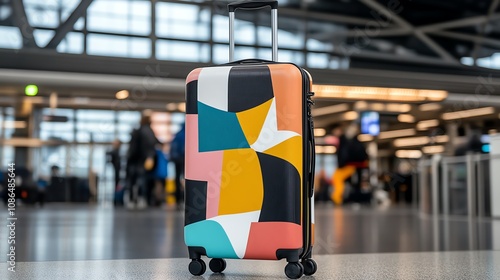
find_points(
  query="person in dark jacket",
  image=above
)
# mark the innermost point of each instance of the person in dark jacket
(177, 153)
(351, 154)
(114, 159)
(140, 160)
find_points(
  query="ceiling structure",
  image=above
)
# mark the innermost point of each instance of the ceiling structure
(448, 45)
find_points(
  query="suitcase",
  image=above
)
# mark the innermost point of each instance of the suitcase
(249, 161)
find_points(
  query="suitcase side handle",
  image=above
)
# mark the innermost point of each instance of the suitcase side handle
(252, 5)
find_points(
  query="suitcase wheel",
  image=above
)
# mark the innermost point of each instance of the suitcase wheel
(197, 267)
(310, 266)
(217, 265)
(294, 270)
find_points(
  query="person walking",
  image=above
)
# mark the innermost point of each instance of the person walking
(177, 153)
(141, 161)
(351, 154)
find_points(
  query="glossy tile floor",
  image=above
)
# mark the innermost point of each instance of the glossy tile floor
(60, 232)
(483, 265)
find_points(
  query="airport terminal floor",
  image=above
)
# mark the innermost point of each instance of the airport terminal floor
(352, 242)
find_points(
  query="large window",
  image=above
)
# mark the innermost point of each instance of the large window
(182, 21)
(191, 31)
(120, 16)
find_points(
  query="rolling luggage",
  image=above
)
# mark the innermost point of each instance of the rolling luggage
(249, 161)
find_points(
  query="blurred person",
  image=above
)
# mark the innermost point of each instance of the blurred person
(351, 155)
(115, 160)
(322, 186)
(54, 171)
(160, 176)
(474, 144)
(141, 161)
(177, 153)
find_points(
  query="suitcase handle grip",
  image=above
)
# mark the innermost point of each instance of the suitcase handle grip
(252, 5)
(247, 5)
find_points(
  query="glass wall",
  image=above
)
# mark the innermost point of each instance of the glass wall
(79, 145)
(191, 31)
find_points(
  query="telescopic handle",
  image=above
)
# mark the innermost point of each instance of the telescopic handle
(252, 5)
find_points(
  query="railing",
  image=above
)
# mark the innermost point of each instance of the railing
(456, 185)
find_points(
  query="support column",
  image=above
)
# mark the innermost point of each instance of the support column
(23, 109)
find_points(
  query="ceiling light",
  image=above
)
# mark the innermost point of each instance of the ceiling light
(441, 139)
(397, 133)
(181, 107)
(329, 149)
(14, 124)
(325, 149)
(430, 107)
(399, 108)
(330, 110)
(171, 106)
(433, 149)
(319, 132)
(408, 154)
(53, 100)
(424, 125)
(361, 105)
(318, 149)
(350, 116)
(406, 118)
(365, 138)
(468, 113)
(412, 141)
(122, 94)
(420, 140)
(378, 93)
(377, 107)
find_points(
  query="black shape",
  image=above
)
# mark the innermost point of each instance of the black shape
(248, 87)
(195, 252)
(281, 190)
(197, 267)
(196, 201)
(291, 255)
(310, 266)
(192, 97)
(217, 265)
(294, 270)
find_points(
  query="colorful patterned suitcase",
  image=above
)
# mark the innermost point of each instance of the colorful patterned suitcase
(249, 161)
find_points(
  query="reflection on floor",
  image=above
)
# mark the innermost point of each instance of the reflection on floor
(82, 232)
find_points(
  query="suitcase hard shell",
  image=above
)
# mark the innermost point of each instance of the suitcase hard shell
(249, 165)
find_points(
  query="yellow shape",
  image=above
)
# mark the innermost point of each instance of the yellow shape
(242, 187)
(289, 150)
(252, 120)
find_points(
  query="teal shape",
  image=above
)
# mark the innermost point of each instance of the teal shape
(219, 130)
(211, 236)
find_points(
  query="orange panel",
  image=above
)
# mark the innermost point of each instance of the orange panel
(267, 237)
(287, 87)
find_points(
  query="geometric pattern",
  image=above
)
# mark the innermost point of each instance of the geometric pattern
(244, 160)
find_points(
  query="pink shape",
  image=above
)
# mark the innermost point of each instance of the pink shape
(193, 75)
(206, 166)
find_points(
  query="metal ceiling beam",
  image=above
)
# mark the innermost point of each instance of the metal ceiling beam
(21, 22)
(458, 23)
(335, 18)
(67, 26)
(477, 43)
(418, 33)
(466, 37)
